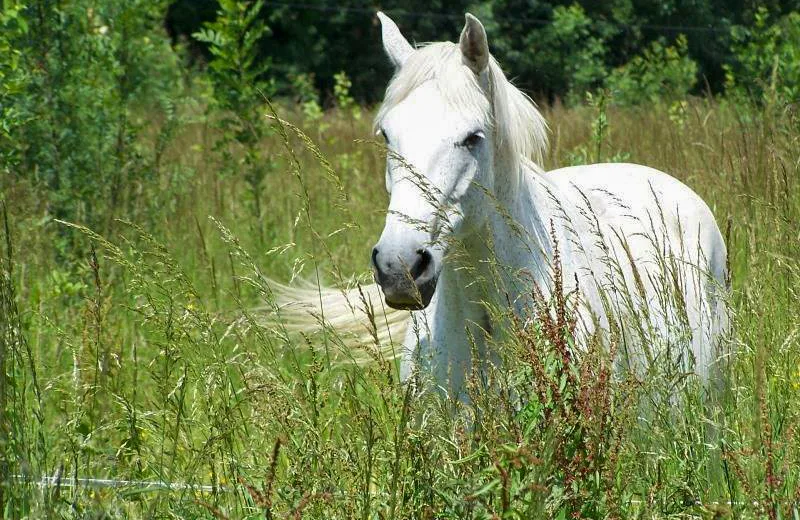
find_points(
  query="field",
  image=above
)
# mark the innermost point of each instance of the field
(137, 351)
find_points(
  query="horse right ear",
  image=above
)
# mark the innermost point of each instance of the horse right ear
(473, 44)
(394, 43)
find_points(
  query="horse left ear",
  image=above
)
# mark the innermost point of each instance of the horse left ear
(474, 45)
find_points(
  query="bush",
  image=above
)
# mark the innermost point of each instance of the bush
(573, 47)
(661, 73)
(767, 58)
(237, 74)
(86, 67)
(13, 82)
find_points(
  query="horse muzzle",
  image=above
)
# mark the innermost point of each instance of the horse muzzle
(408, 280)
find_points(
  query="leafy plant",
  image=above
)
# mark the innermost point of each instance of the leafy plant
(767, 58)
(661, 73)
(307, 97)
(74, 134)
(341, 91)
(573, 46)
(237, 74)
(594, 151)
(13, 81)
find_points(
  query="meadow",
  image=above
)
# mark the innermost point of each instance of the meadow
(136, 350)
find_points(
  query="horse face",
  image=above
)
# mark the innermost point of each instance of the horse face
(438, 171)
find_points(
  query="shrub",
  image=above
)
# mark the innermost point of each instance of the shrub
(306, 96)
(572, 45)
(341, 91)
(767, 58)
(238, 76)
(86, 66)
(661, 73)
(13, 81)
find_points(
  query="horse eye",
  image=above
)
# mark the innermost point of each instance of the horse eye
(472, 140)
(385, 137)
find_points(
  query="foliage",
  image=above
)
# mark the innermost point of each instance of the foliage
(523, 37)
(307, 96)
(767, 58)
(238, 76)
(572, 45)
(661, 73)
(568, 44)
(86, 67)
(238, 72)
(13, 81)
(566, 55)
(532, 39)
(596, 149)
(341, 91)
(325, 38)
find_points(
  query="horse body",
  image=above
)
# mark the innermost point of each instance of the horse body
(607, 220)
(662, 259)
(474, 224)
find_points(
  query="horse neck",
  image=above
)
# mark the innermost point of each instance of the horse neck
(484, 269)
(524, 222)
(513, 248)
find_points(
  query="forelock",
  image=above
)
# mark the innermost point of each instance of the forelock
(520, 130)
(440, 63)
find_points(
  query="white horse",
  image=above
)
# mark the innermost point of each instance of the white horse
(473, 222)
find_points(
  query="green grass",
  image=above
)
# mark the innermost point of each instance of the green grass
(137, 355)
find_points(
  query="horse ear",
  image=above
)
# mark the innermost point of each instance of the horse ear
(474, 45)
(394, 43)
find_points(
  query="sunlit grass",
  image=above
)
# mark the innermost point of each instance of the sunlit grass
(141, 358)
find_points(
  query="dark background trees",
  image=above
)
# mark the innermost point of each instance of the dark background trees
(82, 82)
(549, 47)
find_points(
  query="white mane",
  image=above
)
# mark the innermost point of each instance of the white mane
(520, 130)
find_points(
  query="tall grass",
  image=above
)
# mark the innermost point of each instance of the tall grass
(143, 360)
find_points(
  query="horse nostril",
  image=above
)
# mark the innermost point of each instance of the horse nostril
(422, 263)
(375, 259)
